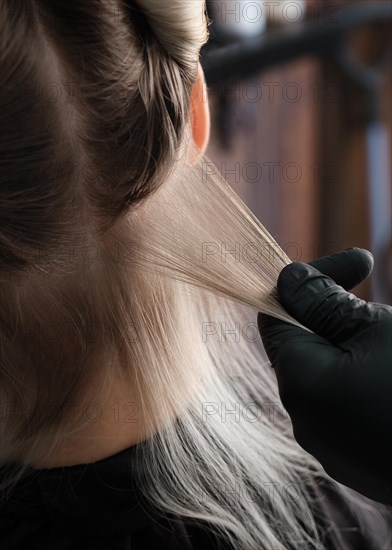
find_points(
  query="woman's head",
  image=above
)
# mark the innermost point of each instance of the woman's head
(95, 105)
(99, 99)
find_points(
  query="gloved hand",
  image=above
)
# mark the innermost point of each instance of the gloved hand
(336, 384)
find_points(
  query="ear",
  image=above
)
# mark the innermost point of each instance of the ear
(200, 115)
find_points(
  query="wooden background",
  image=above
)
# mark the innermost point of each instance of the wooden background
(292, 144)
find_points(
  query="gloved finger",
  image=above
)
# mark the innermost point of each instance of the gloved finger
(319, 304)
(348, 268)
(282, 340)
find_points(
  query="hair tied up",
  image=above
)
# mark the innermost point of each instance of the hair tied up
(176, 24)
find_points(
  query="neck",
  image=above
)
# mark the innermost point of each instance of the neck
(111, 425)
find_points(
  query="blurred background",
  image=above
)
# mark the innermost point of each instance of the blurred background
(301, 104)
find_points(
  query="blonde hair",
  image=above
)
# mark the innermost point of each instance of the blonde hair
(121, 260)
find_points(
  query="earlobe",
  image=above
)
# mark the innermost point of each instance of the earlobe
(200, 115)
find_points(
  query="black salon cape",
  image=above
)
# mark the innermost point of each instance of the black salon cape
(99, 506)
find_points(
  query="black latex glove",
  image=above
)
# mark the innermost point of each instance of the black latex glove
(336, 384)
